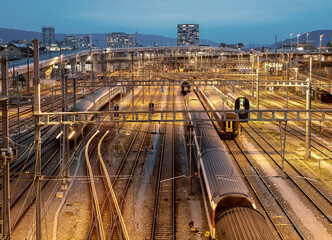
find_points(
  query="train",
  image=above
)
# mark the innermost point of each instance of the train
(240, 103)
(93, 101)
(185, 87)
(323, 96)
(227, 129)
(230, 210)
(236, 103)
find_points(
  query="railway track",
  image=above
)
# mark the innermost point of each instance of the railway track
(319, 201)
(256, 180)
(164, 226)
(128, 165)
(322, 130)
(106, 200)
(126, 168)
(316, 142)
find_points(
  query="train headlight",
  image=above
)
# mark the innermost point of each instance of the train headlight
(71, 134)
(59, 135)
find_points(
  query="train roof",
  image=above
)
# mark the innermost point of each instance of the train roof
(218, 168)
(86, 103)
(215, 100)
(221, 177)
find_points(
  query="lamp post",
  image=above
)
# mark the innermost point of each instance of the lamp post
(28, 70)
(290, 64)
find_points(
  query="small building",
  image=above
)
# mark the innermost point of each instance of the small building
(15, 51)
(119, 40)
(188, 35)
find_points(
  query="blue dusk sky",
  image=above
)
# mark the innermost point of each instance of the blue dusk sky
(230, 21)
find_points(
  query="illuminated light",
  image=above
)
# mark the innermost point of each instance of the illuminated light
(71, 134)
(59, 135)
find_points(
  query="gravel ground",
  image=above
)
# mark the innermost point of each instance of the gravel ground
(313, 226)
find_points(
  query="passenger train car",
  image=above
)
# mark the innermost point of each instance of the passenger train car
(93, 101)
(230, 210)
(227, 129)
(185, 88)
(236, 103)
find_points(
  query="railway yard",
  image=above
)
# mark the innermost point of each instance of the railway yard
(172, 144)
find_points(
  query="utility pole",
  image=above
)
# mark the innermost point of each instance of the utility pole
(28, 72)
(320, 59)
(6, 230)
(132, 81)
(252, 60)
(18, 109)
(289, 66)
(257, 88)
(143, 73)
(308, 122)
(75, 90)
(36, 113)
(275, 54)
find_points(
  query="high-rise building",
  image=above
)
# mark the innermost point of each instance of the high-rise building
(119, 40)
(188, 34)
(48, 36)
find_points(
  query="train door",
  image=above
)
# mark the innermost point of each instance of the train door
(229, 126)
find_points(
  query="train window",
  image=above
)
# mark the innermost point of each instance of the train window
(242, 103)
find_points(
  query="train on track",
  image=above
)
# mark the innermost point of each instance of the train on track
(211, 101)
(93, 101)
(236, 103)
(230, 209)
(185, 87)
(323, 96)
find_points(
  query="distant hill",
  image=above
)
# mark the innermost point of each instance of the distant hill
(7, 34)
(98, 39)
(150, 40)
(313, 38)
